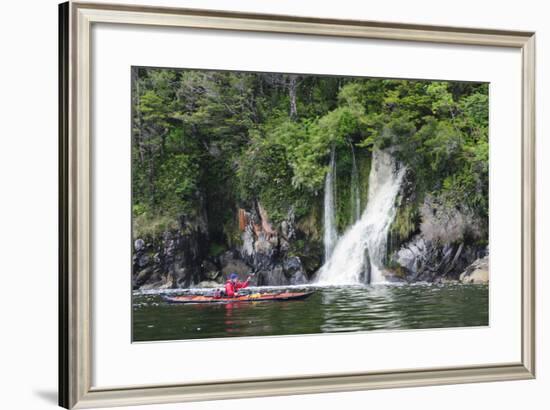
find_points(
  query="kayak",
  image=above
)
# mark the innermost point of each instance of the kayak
(254, 297)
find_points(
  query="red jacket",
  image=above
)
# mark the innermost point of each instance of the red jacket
(232, 288)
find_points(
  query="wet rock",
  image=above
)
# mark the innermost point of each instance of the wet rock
(265, 249)
(231, 264)
(272, 277)
(260, 249)
(172, 259)
(142, 277)
(144, 264)
(208, 284)
(209, 266)
(298, 279)
(424, 260)
(210, 271)
(139, 245)
(288, 232)
(179, 258)
(294, 271)
(445, 240)
(365, 275)
(477, 272)
(153, 285)
(393, 277)
(143, 260)
(292, 265)
(248, 249)
(446, 225)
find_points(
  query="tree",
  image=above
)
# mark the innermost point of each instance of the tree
(221, 140)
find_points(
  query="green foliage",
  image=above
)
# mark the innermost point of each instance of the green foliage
(150, 225)
(206, 143)
(406, 222)
(216, 249)
(265, 174)
(440, 130)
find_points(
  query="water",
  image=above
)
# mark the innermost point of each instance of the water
(330, 234)
(365, 241)
(355, 197)
(329, 310)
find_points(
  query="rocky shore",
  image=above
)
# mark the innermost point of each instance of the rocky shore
(438, 245)
(179, 259)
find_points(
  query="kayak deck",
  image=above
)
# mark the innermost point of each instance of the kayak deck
(255, 297)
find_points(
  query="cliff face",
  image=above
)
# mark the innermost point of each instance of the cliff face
(421, 259)
(434, 242)
(428, 241)
(172, 259)
(267, 250)
(270, 253)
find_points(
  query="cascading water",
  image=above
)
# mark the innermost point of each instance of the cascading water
(330, 234)
(368, 236)
(355, 199)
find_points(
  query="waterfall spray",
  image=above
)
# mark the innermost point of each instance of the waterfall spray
(330, 234)
(355, 209)
(363, 246)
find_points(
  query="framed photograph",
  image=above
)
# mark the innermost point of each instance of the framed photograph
(241, 194)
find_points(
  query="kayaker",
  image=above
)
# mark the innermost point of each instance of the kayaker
(233, 285)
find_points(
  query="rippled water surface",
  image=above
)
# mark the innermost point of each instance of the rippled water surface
(328, 310)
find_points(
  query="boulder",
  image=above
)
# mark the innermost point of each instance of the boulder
(139, 244)
(294, 271)
(230, 263)
(421, 259)
(443, 224)
(210, 271)
(444, 242)
(292, 265)
(477, 272)
(298, 279)
(142, 277)
(272, 277)
(143, 260)
(145, 266)
(208, 284)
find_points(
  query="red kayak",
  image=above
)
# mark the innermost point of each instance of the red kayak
(253, 297)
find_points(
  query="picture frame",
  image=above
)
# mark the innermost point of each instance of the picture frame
(75, 205)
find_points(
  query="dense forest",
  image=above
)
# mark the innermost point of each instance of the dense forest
(229, 171)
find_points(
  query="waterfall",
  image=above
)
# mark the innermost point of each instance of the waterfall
(362, 248)
(330, 234)
(355, 209)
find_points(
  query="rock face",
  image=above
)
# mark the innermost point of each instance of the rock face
(172, 260)
(208, 284)
(180, 259)
(445, 244)
(440, 245)
(424, 260)
(231, 262)
(265, 249)
(477, 272)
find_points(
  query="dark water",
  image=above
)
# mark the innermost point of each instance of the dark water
(329, 310)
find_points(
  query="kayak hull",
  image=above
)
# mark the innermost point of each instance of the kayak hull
(265, 297)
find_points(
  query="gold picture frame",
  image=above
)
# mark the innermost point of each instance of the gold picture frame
(76, 20)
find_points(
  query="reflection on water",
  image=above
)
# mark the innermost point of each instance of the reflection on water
(329, 310)
(345, 309)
